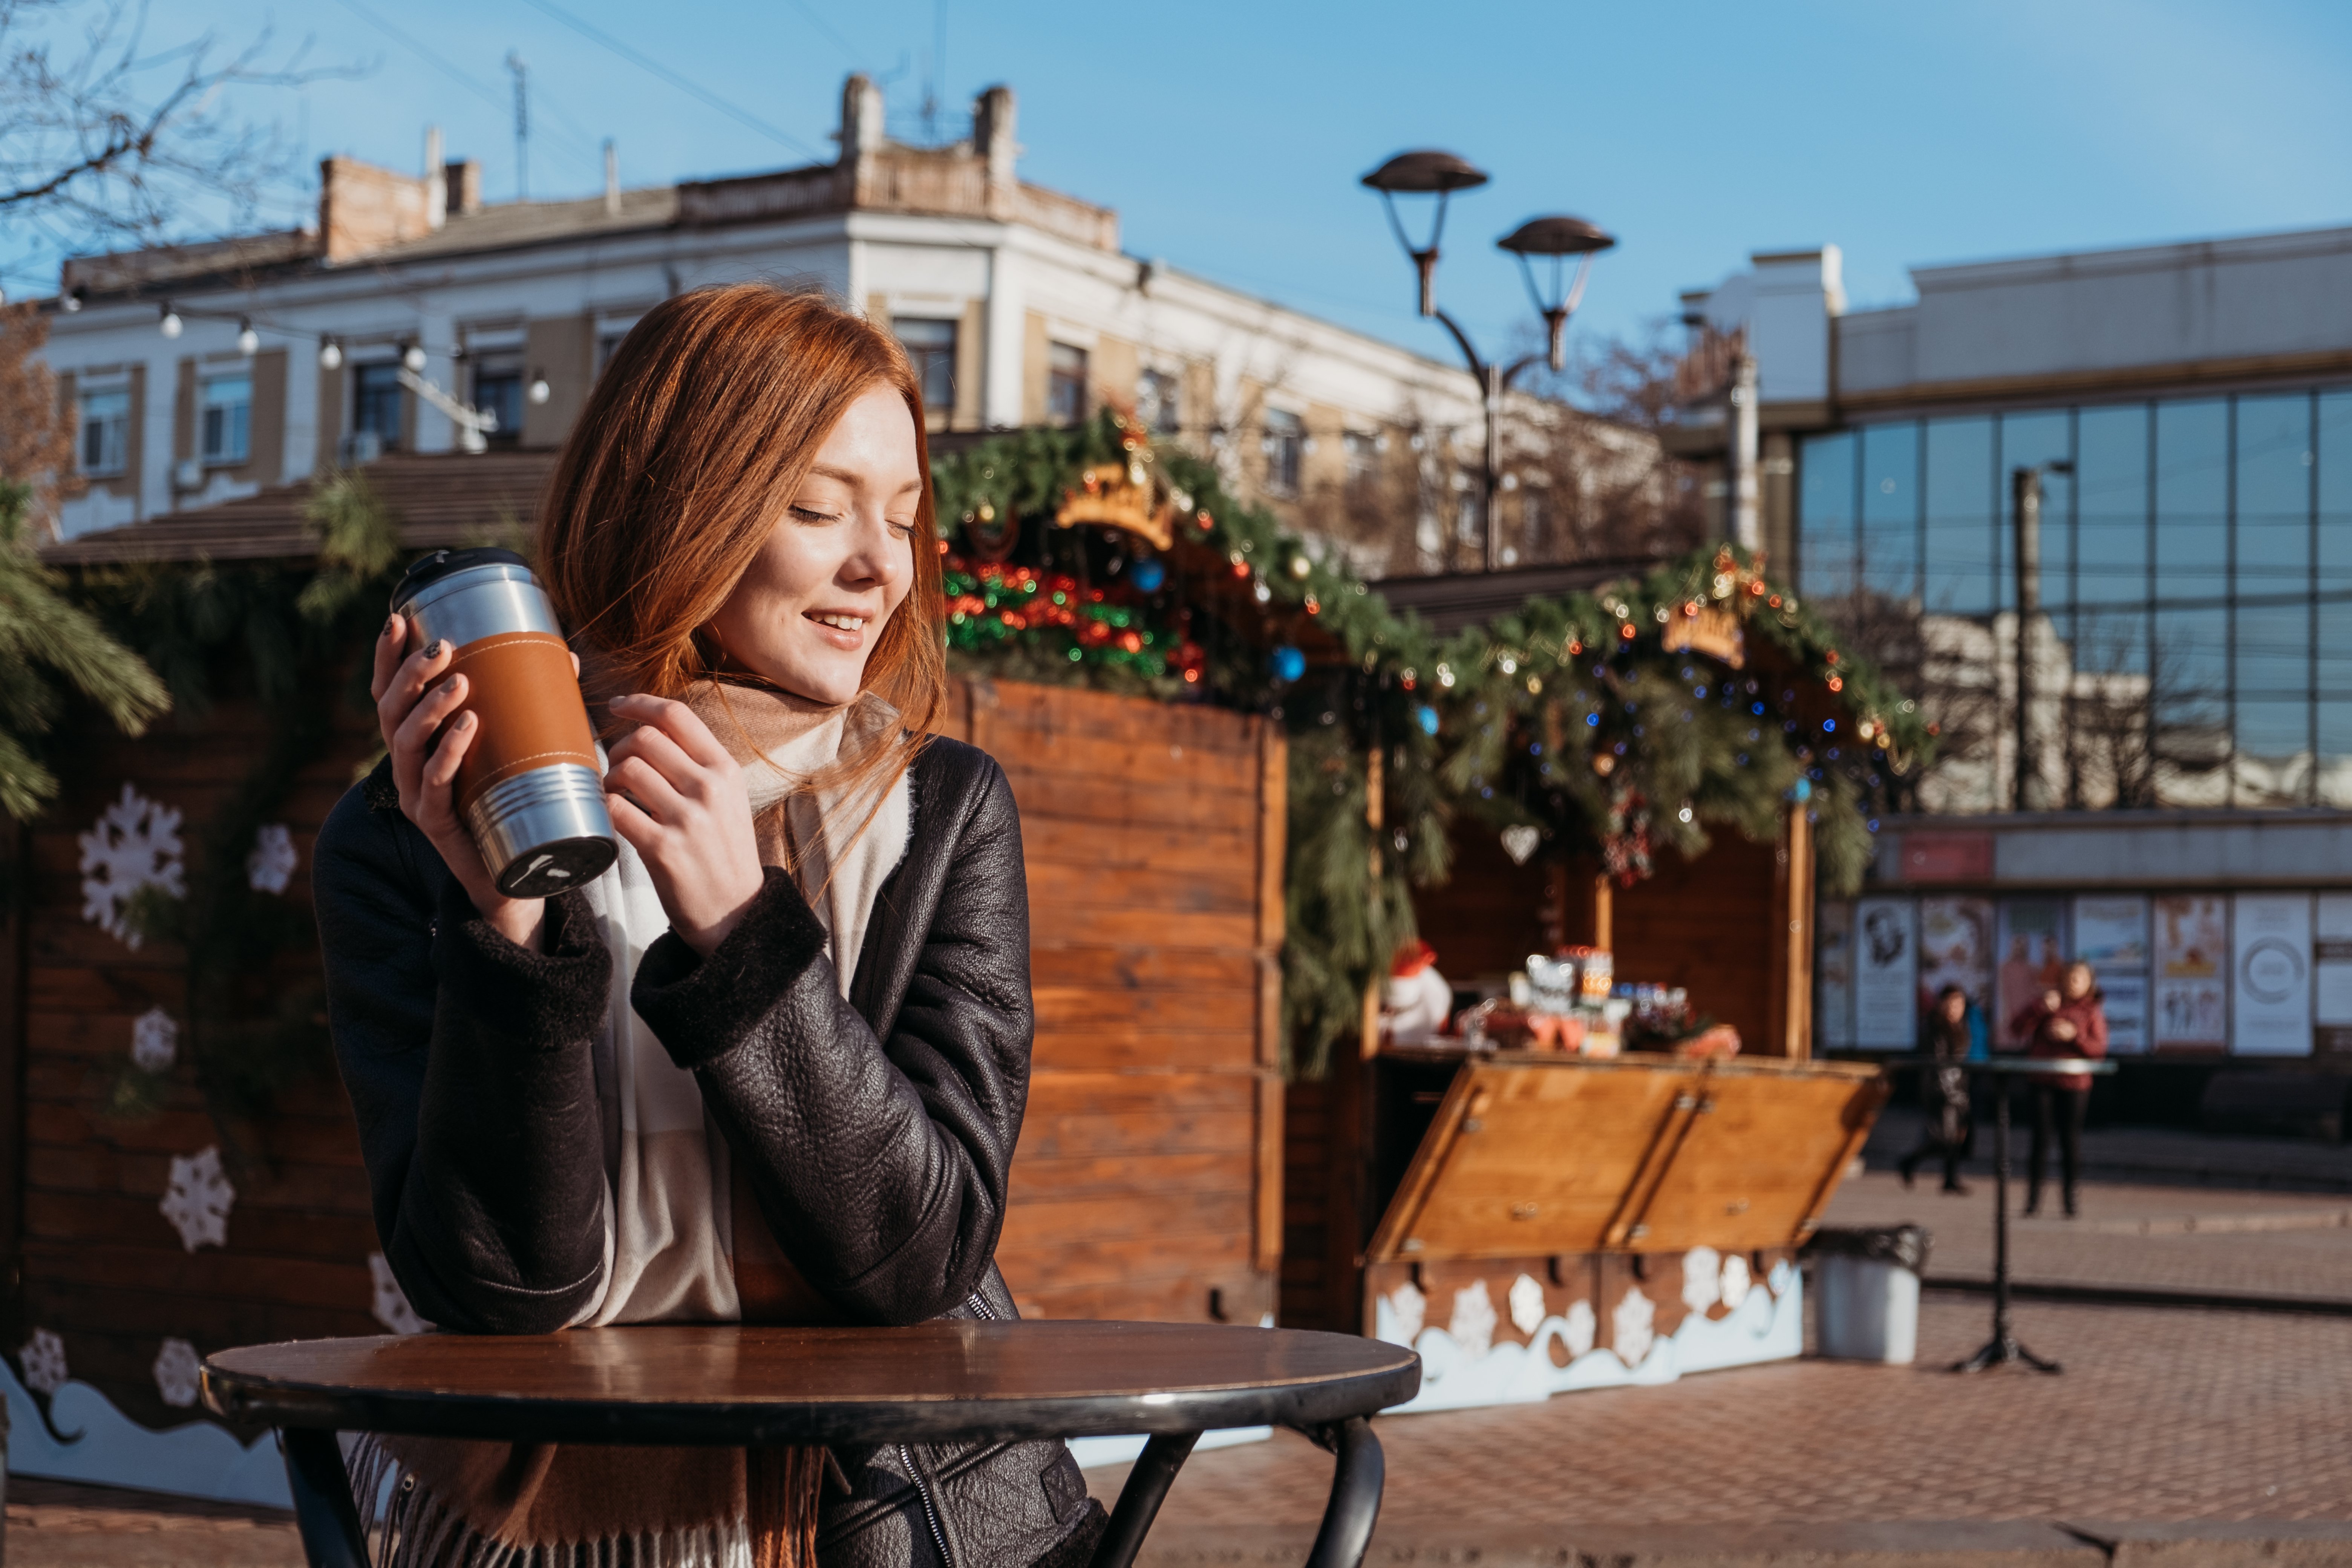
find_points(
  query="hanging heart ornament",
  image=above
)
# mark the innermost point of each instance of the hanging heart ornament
(1520, 841)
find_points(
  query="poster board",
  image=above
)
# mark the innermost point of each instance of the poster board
(2111, 935)
(2331, 963)
(1833, 974)
(1956, 936)
(1886, 974)
(2190, 1003)
(2270, 1014)
(2032, 952)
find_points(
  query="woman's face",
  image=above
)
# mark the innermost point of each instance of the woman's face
(2079, 980)
(836, 565)
(1956, 1007)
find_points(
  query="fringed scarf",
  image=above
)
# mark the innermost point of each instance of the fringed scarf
(682, 1241)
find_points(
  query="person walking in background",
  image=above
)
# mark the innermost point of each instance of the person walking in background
(1945, 1042)
(2068, 1020)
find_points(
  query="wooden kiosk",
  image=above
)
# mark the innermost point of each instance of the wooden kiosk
(1533, 1221)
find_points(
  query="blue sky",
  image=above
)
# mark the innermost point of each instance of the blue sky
(1230, 136)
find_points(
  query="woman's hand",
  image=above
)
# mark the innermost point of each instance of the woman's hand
(677, 797)
(2060, 1028)
(409, 709)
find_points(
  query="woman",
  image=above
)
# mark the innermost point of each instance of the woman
(1946, 1045)
(2068, 1020)
(772, 1066)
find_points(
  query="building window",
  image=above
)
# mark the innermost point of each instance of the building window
(2196, 585)
(930, 348)
(1065, 384)
(1363, 453)
(1286, 438)
(376, 403)
(105, 432)
(226, 419)
(497, 391)
(1157, 403)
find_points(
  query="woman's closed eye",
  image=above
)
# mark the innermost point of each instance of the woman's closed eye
(813, 517)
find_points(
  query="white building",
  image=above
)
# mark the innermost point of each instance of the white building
(1015, 300)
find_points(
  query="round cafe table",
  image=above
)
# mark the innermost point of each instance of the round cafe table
(2003, 1346)
(737, 1386)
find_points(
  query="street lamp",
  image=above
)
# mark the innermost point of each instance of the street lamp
(1429, 173)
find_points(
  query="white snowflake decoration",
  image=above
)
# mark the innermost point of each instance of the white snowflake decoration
(1737, 1280)
(175, 1373)
(154, 1041)
(271, 864)
(1412, 1310)
(1630, 1330)
(198, 1199)
(391, 1304)
(1581, 1324)
(135, 845)
(1473, 1326)
(43, 1361)
(1702, 1284)
(1526, 1305)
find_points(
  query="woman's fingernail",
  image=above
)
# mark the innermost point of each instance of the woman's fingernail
(392, 627)
(433, 648)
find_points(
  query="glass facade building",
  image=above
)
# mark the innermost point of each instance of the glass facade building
(2196, 574)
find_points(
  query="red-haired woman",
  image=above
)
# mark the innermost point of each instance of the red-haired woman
(772, 1066)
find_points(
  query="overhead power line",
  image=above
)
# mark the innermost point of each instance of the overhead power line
(684, 84)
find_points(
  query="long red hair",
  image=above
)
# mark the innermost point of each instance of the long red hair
(695, 438)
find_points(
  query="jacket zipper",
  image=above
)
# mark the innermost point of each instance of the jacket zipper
(930, 1513)
(915, 1471)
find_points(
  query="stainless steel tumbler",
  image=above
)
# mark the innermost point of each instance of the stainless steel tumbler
(528, 790)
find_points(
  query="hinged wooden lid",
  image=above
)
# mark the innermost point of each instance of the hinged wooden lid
(1533, 1154)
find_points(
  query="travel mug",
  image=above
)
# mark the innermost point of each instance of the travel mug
(528, 790)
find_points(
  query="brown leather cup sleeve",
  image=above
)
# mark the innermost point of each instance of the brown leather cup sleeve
(529, 703)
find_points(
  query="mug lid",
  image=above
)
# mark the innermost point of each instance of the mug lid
(429, 569)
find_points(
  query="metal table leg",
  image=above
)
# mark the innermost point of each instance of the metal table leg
(323, 1510)
(2003, 1345)
(1140, 1499)
(1355, 1505)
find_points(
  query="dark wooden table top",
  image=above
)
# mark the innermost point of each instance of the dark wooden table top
(743, 1384)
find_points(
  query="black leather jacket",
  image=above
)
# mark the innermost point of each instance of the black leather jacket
(879, 1132)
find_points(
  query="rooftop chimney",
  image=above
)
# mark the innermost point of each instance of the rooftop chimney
(993, 116)
(612, 179)
(437, 181)
(861, 117)
(364, 209)
(464, 178)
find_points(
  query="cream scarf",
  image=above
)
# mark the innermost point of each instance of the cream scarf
(670, 1242)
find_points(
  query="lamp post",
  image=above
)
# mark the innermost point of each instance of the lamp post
(1555, 239)
(2025, 506)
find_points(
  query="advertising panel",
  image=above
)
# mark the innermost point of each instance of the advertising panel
(2271, 975)
(2111, 934)
(2331, 961)
(1955, 949)
(1833, 974)
(2190, 1005)
(1885, 975)
(2032, 953)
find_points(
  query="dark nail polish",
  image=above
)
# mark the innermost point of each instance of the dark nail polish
(432, 650)
(392, 627)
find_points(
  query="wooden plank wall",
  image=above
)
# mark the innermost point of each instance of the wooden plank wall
(1148, 1181)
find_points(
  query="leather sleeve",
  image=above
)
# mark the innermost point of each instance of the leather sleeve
(880, 1164)
(469, 1063)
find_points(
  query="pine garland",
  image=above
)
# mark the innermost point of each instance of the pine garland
(1571, 716)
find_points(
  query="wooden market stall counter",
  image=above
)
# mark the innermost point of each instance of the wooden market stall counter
(1550, 1221)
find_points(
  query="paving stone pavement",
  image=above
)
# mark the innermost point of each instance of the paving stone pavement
(2161, 1414)
(2191, 1239)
